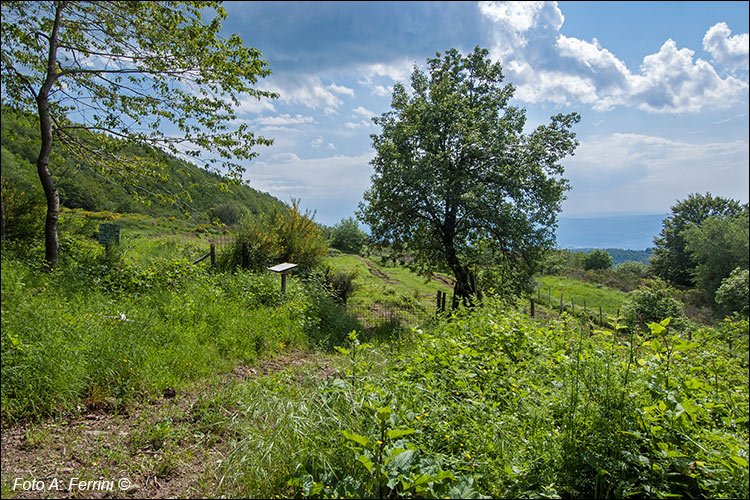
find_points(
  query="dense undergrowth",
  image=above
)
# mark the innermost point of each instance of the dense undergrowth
(101, 329)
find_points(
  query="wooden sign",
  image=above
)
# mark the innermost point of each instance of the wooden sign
(109, 233)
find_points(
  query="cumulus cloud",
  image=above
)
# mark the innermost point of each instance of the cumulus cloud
(546, 65)
(730, 50)
(309, 91)
(285, 119)
(608, 172)
(360, 110)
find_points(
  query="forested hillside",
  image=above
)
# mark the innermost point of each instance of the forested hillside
(198, 191)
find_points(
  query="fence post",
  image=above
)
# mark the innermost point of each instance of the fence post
(601, 323)
(532, 307)
(561, 303)
(212, 252)
(572, 307)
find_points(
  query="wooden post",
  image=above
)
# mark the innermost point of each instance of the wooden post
(601, 323)
(532, 307)
(283, 283)
(561, 303)
(572, 307)
(212, 252)
(585, 313)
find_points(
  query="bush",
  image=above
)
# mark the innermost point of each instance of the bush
(652, 304)
(287, 236)
(228, 213)
(733, 294)
(597, 259)
(347, 237)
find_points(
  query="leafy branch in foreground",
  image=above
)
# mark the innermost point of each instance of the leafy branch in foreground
(128, 73)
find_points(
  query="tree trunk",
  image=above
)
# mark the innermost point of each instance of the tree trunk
(51, 247)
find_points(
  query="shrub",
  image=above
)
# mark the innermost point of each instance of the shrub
(597, 259)
(228, 213)
(733, 294)
(347, 236)
(652, 304)
(284, 236)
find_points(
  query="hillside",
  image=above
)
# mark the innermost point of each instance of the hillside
(83, 188)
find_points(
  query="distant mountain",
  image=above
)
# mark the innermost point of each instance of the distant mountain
(631, 232)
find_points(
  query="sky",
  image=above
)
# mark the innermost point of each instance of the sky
(661, 87)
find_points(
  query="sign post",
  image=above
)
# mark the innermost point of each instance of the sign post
(283, 269)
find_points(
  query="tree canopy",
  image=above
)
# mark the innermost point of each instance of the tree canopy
(102, 77)
(455, 177)
(597, 259)
(671, 260)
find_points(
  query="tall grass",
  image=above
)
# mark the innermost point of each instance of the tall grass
(102, 330)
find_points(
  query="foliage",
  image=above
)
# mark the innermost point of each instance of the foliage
(23, 207)
(83, 188)
(633, 268)
(716, 247)
(347, 237)
(228, 213)
(671, 260)
(282, 236)
(455, 176)
(597, 259)
(734, 295)
(146, 67)
(651, 303)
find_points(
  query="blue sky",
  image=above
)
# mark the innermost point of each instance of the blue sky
(662, 89)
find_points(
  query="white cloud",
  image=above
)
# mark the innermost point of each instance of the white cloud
(382, 90)
(253, 105)
(285, 119)
(341, 90)
(360, 110)
(308, 91)
(547, 66)
(316, 142)
(333, 185)
(731, 51)
(609, 172)
(356, 125)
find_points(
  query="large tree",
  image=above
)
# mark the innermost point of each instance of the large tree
(456, 179)
(671, 260)
(106, 78)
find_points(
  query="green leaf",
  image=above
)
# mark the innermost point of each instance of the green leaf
(384, 413)
(397, 433)
(360, 440)
(367, 462)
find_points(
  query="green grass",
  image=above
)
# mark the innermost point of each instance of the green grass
(389, 286)
(609, 299)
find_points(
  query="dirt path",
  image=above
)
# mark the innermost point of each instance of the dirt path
(155, 447)
(380, 274)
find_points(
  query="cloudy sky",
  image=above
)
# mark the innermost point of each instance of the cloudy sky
(662, 89)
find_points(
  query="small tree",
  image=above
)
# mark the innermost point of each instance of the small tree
(652, 304)
(734, 293)
(717, 246)
(597, 259)
(128, 74)
(456, 181)
(347, 237)
(671, 260)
